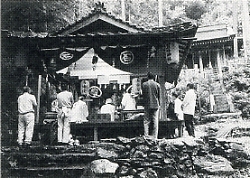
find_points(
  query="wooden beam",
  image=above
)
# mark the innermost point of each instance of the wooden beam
(38, 98)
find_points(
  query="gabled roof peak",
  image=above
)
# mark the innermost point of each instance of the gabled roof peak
(99, 13)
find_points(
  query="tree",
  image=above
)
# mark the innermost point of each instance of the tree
(195, 9)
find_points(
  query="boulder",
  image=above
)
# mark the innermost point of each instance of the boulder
(148, 173)
(213, 164)
(103, 166)
(102, 153)
(124, 140)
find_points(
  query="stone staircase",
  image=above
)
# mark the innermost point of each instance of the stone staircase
(46, 161)
(222, 101)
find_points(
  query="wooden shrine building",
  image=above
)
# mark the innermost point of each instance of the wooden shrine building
(126, 47)
(213, 47)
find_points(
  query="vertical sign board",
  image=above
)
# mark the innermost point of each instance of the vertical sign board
(221, 103)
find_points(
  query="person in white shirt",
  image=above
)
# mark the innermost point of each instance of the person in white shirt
(65, 101)
(188, 107)
(128, 102)
(108, 108)
(26, 118)
(177, 106)
(79, 111)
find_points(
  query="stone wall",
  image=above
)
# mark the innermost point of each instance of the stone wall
(136, 157)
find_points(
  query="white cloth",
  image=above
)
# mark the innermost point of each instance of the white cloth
(128, 102)
(65, 102)
(25, 128)
(26, 118)
(63, 118)
(177, 108)
(212, 102)
(189, 102)
(26, 103)
(108, 109)
(79, 112)
(65, 99)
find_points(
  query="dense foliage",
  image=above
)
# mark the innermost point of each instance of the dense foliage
(237, 83)
(45, 15)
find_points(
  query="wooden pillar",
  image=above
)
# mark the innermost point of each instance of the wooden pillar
(219, 64)
(38, 98)
(163, 113)
(245, 25)
(223, 55)
(220, 70)
(209, 59)
(123, 10)
(201, 65)
(160, 13)
(235, 26)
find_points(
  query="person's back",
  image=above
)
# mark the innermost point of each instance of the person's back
(151, 95)
(108, 108)
(26, 117)
(128, 102)
(150, 92)
(177, 108)
(79, 111)
(189, 102)
(188, 106)
(26, 103)
(65, 99)
(65, 102)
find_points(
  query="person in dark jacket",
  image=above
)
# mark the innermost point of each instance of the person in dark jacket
(151, 95)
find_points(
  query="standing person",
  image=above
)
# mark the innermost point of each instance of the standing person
(80, 111)
(26, 118)
(151, 95)
(128, 102)
(65, 102)
(108, 108)
(177, 106)
(188, 107)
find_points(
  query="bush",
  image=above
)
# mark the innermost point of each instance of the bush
(237, 83)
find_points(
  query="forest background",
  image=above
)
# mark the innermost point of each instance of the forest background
(49, 16)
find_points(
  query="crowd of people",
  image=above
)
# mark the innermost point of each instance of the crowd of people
(69, 111)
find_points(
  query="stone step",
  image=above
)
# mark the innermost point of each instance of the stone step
(53, 171)
(51, 168)
(48, 160)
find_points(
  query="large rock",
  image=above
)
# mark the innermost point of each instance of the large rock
(103, 166)
(148, 173)
(213, 164)
(102, 153)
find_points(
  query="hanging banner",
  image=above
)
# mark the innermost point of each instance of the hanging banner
(127, 57)
(63, 57)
